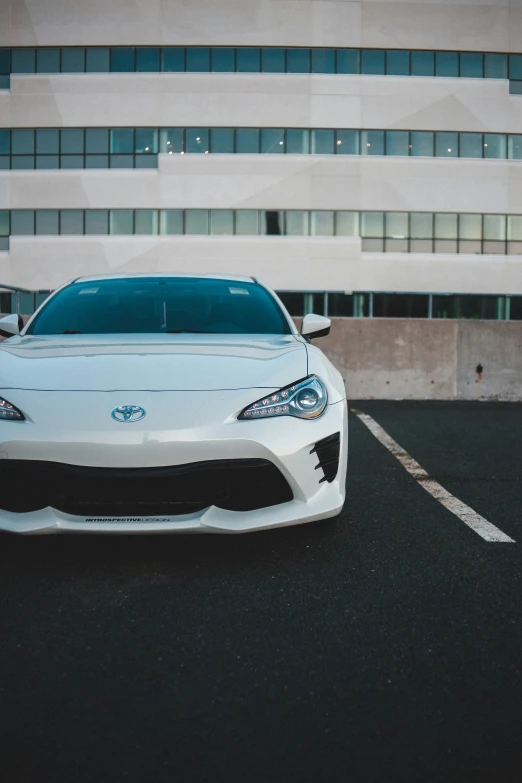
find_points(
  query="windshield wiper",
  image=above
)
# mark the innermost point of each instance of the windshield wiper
(72, 331)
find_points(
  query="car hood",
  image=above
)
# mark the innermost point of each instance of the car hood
(151, 362)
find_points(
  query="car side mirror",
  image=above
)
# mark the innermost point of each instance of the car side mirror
(315, 326)
(10, 325)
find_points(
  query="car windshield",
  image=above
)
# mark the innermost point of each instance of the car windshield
(157, 305)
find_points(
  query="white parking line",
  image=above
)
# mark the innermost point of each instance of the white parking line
(466, 514)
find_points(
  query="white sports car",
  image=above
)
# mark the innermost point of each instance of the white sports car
(167, 403)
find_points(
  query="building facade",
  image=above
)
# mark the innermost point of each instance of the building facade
(362, 157)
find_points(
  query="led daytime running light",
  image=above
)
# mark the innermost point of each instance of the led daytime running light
(305, 400)
(8, 412)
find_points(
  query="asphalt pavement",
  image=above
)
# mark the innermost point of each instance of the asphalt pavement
(383, 646)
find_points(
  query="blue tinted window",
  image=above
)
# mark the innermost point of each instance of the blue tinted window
(122, 59)
(47, 141)
(5, 81)
(48, 61)
(173, 59)
(73, 60)
(122, 140)
(5, 142)
(96, 140)
(372, 142)
(495, 145)
(397, 143)
(223, 59)
(398, 63)
(22, 222)
(4, 222)
(422, 63)
(222, 140)
(47, 221)
(97, 59)
(97, 221)
(298, 60)
(323, 60)
(515, 147)
(422, 143)
(447, 145)
(348, 61)
(272, 140)
(121, 161)
(147, 140)
(372, 61)
(198, 59)
(72, 140)
(496, 66)
(248, 59)
(298, 141)
(196, 140)
(96, 161)
(148, 59)
(71, 162)
(22, 141)
(172, 140)
(247, 140)
(5, 61)
(23, 60)
(5, 162)
(471, 65)
(347, 142)
(515, 66)
(22, 162)
(447, 64)
(471, 145)
(273, 60)
(323, 142)
(71, 222)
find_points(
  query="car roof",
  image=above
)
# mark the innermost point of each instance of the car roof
(163, 275)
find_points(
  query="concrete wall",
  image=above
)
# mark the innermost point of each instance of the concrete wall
(385, 358)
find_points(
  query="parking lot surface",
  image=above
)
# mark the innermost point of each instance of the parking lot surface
(383, 646)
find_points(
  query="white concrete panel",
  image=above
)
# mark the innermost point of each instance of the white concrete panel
(336, 101)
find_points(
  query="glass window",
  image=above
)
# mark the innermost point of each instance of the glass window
(72, 140)
(293, 301)
(5, 162)
(323, 60)
(372, 224)
(495, 66)
(348, 61)
(222, 140)
(4, 247)
(122, 59)
(398, 62)
(297, 223)
(197, 140)
(397, 143)
(495, 227)
(97, 59)
(147, 59)
(22, 142)
(96, 141)
(222, 222)
(4, 222)
(5, 61)
(119, 161)
(171, 221)
(146, 161)
(323, 142)
(48, 60)
(223, 59)
(71, 162)
(422, 63)
(96, 161)
(146, 221)
(470, 226)
(121, 221)
(515, 87)
(247, 222)
(340, 305)
(347, 142)
(347, 224)
(515, 66)
(372, 142)
(97, 221)
(172, 141)
(146, 140)
(471, 145)
(173, 59)
(470, 246)
(445, 246)
(71, 221)
(272, 223)
(198, 59)
(5, 82)
(22, 162)
(22, 222)
(372, 61)
(322, 223)
(122, 140)
(445, 226)
(446, 144)
(5, 141)
(47, 141)
(397, 225)
(247, 140)
(298, 141)
(421, 225)
(298, 60)
(495, 145)
(515, 147)
(47, 162)
(272, 140)
(447, 64)
(196, 221)
(422, 143)
(73, 59)
(400, 305)
(23, 60)
(273, 60)
(248, 59)
(471, 65)
(514, 228)
(47, 221)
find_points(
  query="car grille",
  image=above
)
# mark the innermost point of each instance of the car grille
(236, 485)
(328, 450)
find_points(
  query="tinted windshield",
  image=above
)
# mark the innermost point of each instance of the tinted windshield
(161, 305)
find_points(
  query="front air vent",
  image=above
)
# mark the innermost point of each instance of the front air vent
(328, 450)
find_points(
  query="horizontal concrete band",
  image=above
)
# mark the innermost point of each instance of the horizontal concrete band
(260, 100)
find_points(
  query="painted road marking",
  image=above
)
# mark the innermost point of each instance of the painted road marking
(466, 514)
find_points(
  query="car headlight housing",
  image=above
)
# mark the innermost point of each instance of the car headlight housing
(305, 399)
(8, 412)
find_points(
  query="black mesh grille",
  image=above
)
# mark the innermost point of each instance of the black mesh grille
(237, 485)
(328, 450)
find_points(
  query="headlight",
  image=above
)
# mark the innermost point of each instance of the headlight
(8, 412)
(306, 399)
